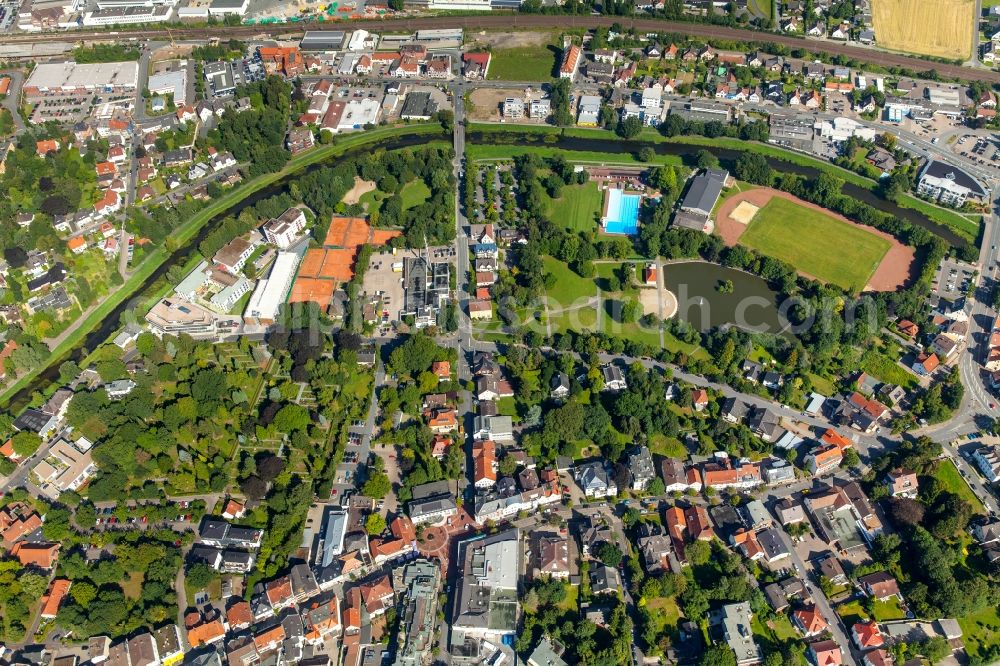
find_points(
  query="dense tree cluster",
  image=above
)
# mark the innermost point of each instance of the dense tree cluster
(545, 614)
(99, 602)
(257, 135)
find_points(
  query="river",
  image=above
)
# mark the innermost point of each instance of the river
(727, 156)
(100, 334)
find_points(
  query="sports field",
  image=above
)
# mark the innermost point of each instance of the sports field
(524, 63)
(941, 28)
(815, 243)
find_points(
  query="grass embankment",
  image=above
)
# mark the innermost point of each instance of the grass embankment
(817, 244)
(951, 480)
(189, 229)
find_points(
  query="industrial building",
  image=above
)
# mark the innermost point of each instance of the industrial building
(74, 79)
(322, 40)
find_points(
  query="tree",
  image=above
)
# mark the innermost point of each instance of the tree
(377, 486)
(647, 154)
(629, 128)
(718, 655)
(753, 167)
(375, 524)
(199, 576)
(610, 554)
(291, 418)
(935, 649)
(906, 511)
(851, 458)
(656, 487)
(698, 552)
(83, 593)
(704, 159)
(25, 443)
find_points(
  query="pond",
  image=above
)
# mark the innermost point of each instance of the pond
(752, 305)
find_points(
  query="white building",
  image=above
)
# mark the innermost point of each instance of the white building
(987, 460)
(948, 184)
(286, 229)
(513, 108)
(272, 291)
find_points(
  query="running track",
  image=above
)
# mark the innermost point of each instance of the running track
(506, 21)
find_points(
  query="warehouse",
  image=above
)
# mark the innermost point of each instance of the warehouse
(70, 78)
(322, 40)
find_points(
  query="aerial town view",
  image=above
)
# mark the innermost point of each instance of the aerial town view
(500, 332)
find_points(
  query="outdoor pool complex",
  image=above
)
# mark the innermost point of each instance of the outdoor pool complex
(621, 212)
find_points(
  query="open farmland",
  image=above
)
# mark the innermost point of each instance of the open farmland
(942, 28)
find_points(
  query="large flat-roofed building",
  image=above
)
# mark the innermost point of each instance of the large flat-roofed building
(71, 78)
(223, 7)
(177, 316)
(704, 111)
(170, 83)
(791, 130)
(272, 291)
(948, 184)
(486, 600)
(731, 624)
(128, 15)
(322, 40)
(421, 579)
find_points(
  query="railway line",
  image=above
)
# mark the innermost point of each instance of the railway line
(507, 21)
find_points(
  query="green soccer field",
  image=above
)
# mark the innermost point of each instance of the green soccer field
(816, 244)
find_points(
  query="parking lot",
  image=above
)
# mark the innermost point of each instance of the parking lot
(979, 149)
(952, 279)
(381, 280)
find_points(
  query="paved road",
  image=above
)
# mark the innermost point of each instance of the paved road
(822, 603)
(13, 96)
(505, 21)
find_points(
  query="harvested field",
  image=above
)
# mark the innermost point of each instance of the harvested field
(361, 187)
(941, 28)
(819, 243)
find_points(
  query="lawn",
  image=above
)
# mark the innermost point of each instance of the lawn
(569, 289)
(664, 614)
(952, 481)
(981, 631)
(570, 604)
(526, 63)
(507, 407)
(668, 447)
(880, 366)
(577, 208)
(414, 193)
(888, 610)
(852, 612)
(816, 244)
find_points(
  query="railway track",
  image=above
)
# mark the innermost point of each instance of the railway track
(533, 21)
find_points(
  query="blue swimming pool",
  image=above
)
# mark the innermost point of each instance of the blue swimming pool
(622, 215)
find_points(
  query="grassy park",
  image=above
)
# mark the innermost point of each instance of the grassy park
(815, 243)
(577, 207)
